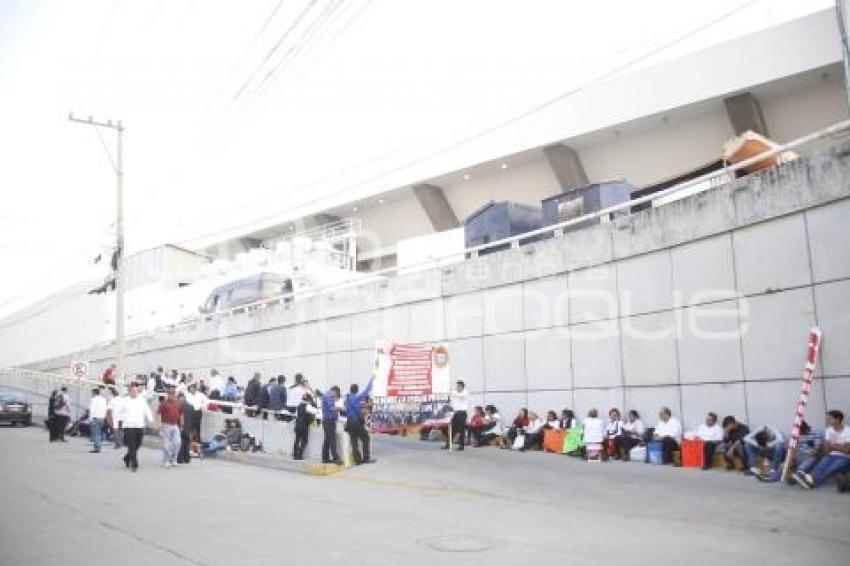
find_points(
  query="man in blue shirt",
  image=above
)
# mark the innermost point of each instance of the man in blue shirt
(330, 416)
(356, 424)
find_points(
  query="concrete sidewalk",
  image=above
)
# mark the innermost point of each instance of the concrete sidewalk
(417, 505)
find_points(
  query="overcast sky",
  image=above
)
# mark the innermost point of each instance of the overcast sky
(236, 109)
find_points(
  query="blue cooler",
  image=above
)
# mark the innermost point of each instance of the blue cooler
(655, 453)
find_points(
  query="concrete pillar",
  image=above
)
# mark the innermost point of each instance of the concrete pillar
(566, 165)
(436, 206)
(744, 113)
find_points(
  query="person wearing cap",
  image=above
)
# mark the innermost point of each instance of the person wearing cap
(171, 416)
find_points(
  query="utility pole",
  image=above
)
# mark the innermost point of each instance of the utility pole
(120, 268)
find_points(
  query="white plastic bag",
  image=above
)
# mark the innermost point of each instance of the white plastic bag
(638, 454)
(519, 442)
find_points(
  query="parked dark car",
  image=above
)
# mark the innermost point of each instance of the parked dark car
(14, 409)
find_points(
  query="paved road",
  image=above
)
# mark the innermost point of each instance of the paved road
(418, 505)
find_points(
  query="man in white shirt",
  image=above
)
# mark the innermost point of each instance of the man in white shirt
(216, 385)
(668, 431)
(711, 434)
(135, 413)
(836, 447)
(97, 414)
(459, 400)
(198, 401)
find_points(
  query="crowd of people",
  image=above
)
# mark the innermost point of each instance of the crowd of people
(816, 456)
(761, 451)
(180, 400)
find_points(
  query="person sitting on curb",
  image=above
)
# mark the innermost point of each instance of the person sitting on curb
(613, 431)
(668, 431)
(593, 433)
(767, 443)
(733, 442)
(836, 458)
(533, 432)
(476, 426)
(803, 458)
(520, 422)
(568, 419)
(493, 427)
(633, 431)
(552, 421)
(229, 437)
(711, 435)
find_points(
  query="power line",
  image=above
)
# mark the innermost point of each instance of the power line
(499, 125)
(343, 28)
(74, 260)
(272, 51)
(292, 53)
(254, 41)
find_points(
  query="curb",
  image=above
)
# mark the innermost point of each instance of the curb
(262, 460)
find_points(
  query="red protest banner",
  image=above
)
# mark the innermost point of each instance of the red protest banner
(410, 370)
(805, 390)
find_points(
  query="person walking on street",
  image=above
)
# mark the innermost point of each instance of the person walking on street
(356, 425)
(171, 416)
(97, 414)
(135, 413)
(330, 417)
(460, 406)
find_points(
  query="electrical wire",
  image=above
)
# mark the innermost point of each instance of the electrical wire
(342, 28)
(73, 261)
(292, 53)
(499, 125)
(272, 51)
(259, 33)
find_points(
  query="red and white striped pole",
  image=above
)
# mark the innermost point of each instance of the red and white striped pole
(805, 390)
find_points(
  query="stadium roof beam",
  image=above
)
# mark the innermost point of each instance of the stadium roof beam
(745, 113)
(567, 166)
(433, 201)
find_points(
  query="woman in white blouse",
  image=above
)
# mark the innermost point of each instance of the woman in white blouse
(633, 431)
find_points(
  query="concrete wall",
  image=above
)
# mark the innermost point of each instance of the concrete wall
(702, 304)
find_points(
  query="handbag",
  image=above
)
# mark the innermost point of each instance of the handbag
(519, 442)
